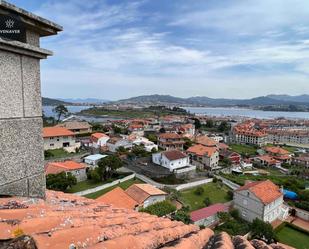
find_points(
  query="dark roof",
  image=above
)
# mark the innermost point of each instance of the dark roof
(174, 155)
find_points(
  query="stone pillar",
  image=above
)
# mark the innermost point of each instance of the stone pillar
(21, 143)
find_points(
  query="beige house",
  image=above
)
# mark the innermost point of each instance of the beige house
(77, 127)
(204, 157)
(59, 138)
(262, 200)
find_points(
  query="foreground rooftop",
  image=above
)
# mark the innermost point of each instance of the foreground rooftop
(63, 220)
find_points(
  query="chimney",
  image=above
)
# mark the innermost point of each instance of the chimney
(21, 143)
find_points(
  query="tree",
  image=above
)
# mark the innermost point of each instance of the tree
(152, 137)
(262, 230)
(139, 151)
(188, 143)
(162, 130)
(60, 111)
(116, 129)
(61, 181)
(209, 123)
(207, 201)
(182, 215)
(197, 123)
(199, 191)
(224, 126)
(160, 208)
(108, 165)
(224, 216)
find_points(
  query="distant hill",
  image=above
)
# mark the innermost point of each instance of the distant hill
(86, 100)
(49, 101)
(206, 101)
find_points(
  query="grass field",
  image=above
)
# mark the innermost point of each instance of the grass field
(123, 185)
(243, 149)
(293, 237)
(213, 191)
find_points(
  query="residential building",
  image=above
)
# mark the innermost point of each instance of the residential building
(170, 141)
(206, 141)
(59, 138)
(232, 156)
(99, 140)
(279, 154)
(293, 137)
(115, 142)
(301, 160)
(145, 194)
(267, 160)
(77, 127)
(93, 159)
(76, 169)
(208, 216)
(204, 157)
(138, 140)
(174, 160)
(188, 130)
(118, 198)
(246, 133)
(262, 200)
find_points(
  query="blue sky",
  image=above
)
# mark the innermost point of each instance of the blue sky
(115, 49)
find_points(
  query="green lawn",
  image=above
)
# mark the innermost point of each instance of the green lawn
(293, 237)
(80, 186)
(123, 185)
(243, 149)
(213, 191)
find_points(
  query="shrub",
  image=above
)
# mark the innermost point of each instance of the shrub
(61, 181)
(207, 202)
(199, 191)
(235, 214)
(262, 230)
(160, 208)
(182, 215)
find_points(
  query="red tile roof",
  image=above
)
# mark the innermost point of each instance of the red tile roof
(98, 135)
(266, 191)
(118, 198)
(208, 211)
(202, 150)
(174, 155)
(64, 219)
(205, 140)
(56, 132)
(277, 150)
(58, 167)
(141, 192)
(169, 136)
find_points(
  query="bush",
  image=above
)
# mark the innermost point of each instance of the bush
(207, 202)
(61, 181)
(262, 230)
(235, 214)
(199, 191)
(182, 215)
(160, 208)
(302, 205)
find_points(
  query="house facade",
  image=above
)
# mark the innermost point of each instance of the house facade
(76, 169)
(115, 142)
(262, 200)
(99, 140)
(232, 156)
(59, 138)
(279, 154)
(77, 127)
(145, 194)
(203, 157)
(172, 159)
(170, 141)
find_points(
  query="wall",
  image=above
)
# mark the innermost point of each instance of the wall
(51, 143)
(153, 199)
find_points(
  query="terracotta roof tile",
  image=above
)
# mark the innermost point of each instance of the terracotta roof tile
(64, 219)
(207, 211)
(56, 132)
(202, 150)
(174, 155)
(58, 167)
(206, 141)
(118, 198)
(266, 191)
(169, 136)
(140, 192)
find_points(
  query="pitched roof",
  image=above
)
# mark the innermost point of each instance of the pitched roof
(62, 220)
(174, 155)
(56, 132)
(205, 140)
(202, 150)
(277, 150)
(141, 192)
(98, 135)
(266, 190)
(118, 198)
(169, 136)
(58, 167)
(208, 211)
(72, 125)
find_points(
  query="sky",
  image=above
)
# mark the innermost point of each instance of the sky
(113, 49)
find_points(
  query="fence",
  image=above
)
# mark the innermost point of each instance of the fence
(107, 185)
(193, 184)
(228, 183)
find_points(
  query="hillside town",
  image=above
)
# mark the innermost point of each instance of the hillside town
(139, 176)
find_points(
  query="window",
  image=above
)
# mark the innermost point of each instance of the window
(51, 145)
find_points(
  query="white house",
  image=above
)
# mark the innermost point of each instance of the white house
(137, 140)
(76, 169)
(59, 138)
(115, 142)
(99, 140)
(94, 159)
(174, 160)
(145, 194)
(262, 200)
